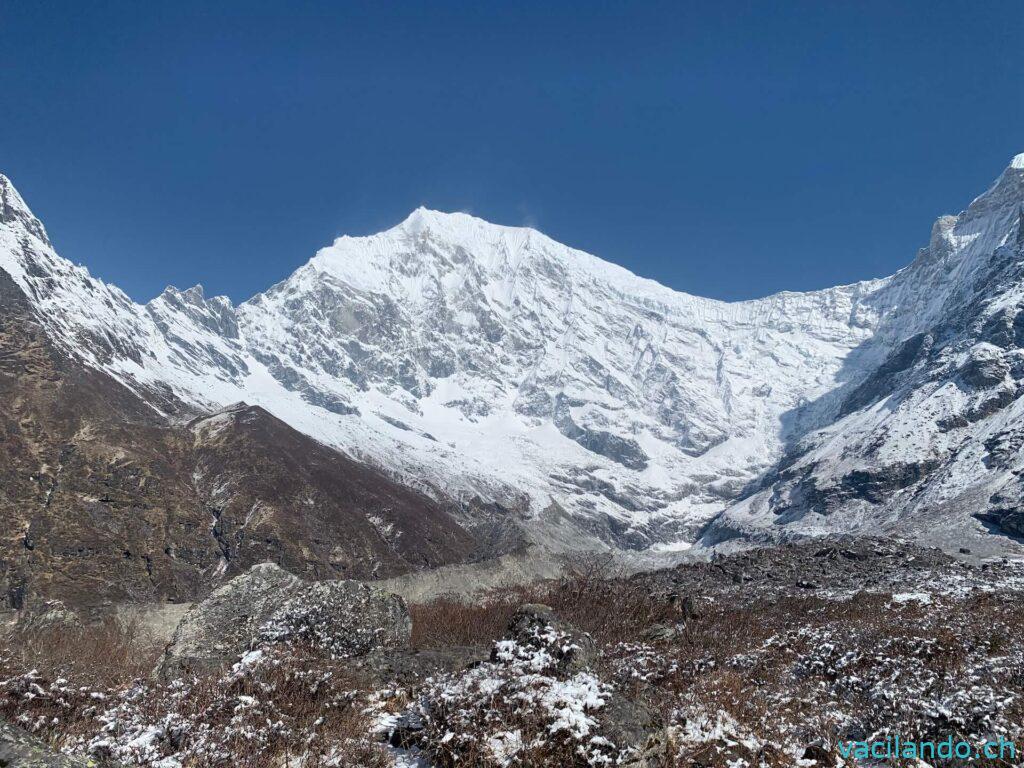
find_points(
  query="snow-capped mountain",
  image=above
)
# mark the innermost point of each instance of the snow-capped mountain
(495, 366)
(929, 441)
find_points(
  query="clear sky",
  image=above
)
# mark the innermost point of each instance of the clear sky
(726, 149)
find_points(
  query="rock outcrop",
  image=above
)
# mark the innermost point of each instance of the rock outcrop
(268, 605)
(541, 675)
(19, 749)
(533, 626)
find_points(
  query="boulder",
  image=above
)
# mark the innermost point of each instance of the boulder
(531, 627)
(341, 619)
(267, 605)
(654, 752)
(820, 756)
(659, 633)
(47, 616)
(637, 729)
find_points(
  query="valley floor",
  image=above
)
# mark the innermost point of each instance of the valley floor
(773, 657)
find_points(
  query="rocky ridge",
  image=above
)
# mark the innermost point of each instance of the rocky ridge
(107, 501)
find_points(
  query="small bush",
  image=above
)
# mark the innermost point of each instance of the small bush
(591, 598)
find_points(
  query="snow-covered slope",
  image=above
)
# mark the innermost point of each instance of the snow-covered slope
(494, 365)
(929, 441)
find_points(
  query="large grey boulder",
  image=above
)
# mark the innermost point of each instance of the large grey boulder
(267, 605)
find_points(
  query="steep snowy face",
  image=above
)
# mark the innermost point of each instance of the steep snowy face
(541, 369)
(493, 365)
(929, 441)
(957, 257)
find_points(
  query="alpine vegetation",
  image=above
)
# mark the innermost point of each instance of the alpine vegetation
(778, 657)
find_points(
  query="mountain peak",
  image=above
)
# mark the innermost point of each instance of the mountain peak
(492, 362)
(1009, 185)
(193, 295)
(15, 211)
(418, 220)
(447, 222)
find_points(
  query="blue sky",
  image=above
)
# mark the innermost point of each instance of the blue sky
(725, 149)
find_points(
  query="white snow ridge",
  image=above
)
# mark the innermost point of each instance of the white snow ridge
(491, 364)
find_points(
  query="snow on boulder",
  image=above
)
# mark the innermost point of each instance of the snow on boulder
(539, 700)
(536, 631)
(267, 605)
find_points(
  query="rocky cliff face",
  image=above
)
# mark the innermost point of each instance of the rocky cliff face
(521, 378)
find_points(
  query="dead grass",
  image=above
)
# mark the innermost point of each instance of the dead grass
(447, 621)
(103, 655)
(592, 598)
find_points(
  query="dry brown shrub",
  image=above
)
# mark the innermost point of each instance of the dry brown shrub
(592, 597)
(101, 655)
(448, 621)
(300, 706)
(317, 700)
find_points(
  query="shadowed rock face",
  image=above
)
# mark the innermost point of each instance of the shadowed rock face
(1006, 510)
(275, 494)
(619, 449)
(89, 492)
(22, 750)
(105, 500)
(886, 377)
